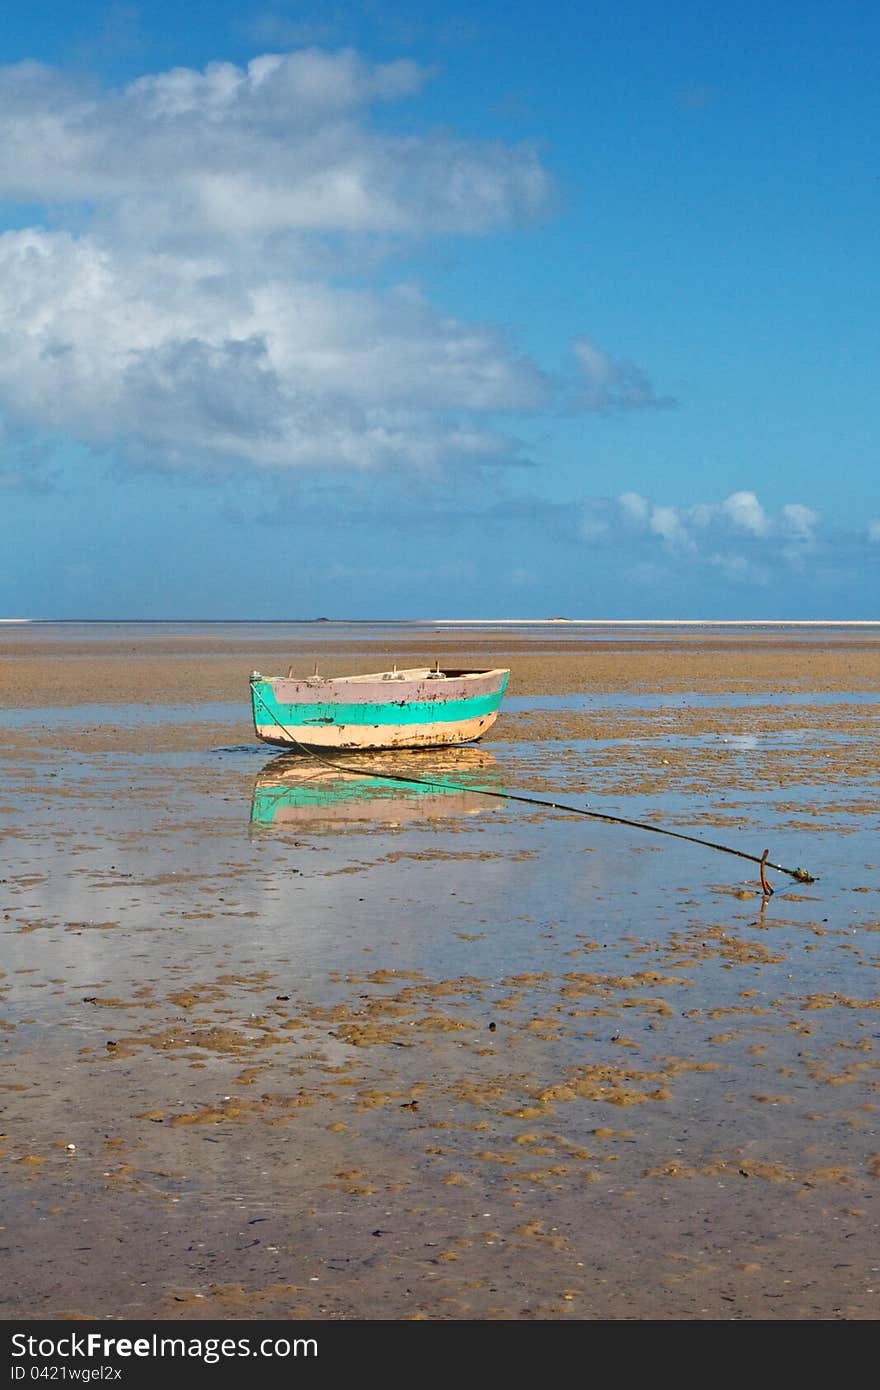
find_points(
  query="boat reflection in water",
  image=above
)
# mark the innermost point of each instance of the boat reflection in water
(302, 791)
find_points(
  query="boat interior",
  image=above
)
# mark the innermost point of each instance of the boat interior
(414, 673)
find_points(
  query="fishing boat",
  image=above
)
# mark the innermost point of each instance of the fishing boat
(415, 708)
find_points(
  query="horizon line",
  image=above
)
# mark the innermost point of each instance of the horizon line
(492, 622)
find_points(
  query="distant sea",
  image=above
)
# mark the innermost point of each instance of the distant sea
(340, 629)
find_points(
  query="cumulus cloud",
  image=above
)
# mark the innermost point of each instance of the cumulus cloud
(666, 522)
(799, 521)
(745, 513)
(283, 143)
(195, 301)
(736, 541)
(706, 524)
(192, 311)
(283, 372)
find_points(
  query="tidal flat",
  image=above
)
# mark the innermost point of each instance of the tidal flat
(282, 1042)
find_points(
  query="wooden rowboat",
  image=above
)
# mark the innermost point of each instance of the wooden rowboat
(416, 708)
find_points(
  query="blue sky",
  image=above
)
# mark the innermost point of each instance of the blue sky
(397, 310)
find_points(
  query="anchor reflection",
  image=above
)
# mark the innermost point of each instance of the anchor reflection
(294, 789)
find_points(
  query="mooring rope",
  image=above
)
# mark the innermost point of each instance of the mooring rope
(801, 875)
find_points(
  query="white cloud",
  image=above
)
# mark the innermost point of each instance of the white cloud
(799, 521)
(282, 144)
(874, 531)
(194, 312)
(741, 514)
(745, 513)
(666, 523)
(663, 521)
(186, 356)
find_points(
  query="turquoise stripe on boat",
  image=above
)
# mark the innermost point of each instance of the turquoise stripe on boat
(388, 712)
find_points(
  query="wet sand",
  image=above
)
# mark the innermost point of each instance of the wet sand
(35, 670)
(277, 1049)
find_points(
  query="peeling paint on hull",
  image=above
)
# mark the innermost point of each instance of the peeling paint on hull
(406, 709)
